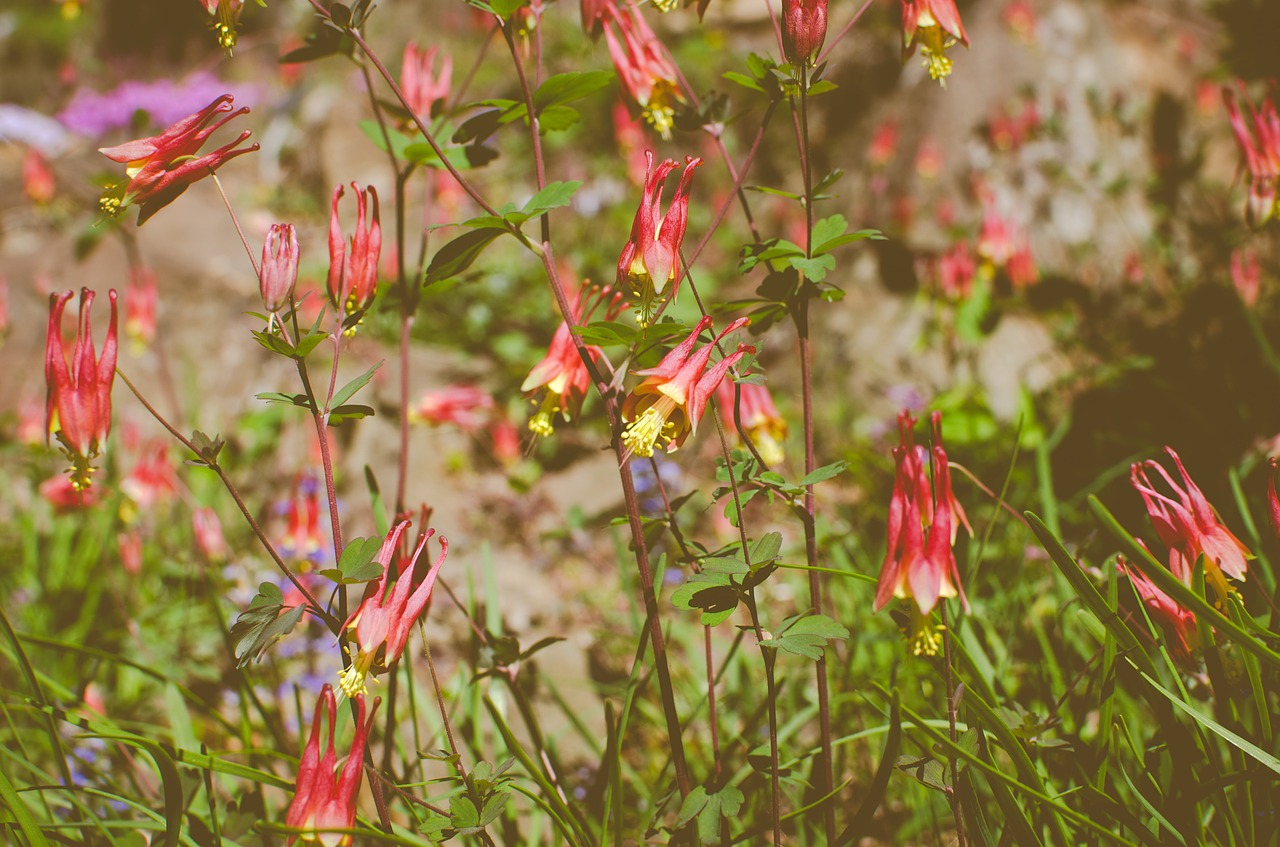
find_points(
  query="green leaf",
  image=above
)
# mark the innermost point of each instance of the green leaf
(357, 563)
(822, 87)
(607, 333)
(462, 812)
(806, 636)
(766, 549)
(567, 87)
(422, 153)
(815, 268)
(458, 255)
(553, 196)
(399, 141)
(493, 806)
(287, 399)
(823, 473)
(349, 412)
(557, 118)
(18, 809)
(346, 392)
(262, 624)
(1243, 745)
(743, 80)
(764, 189)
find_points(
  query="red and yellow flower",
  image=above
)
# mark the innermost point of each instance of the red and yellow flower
(78, 394)
(934, 26)
(650, 260)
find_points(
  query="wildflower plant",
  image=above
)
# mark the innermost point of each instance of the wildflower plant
(716, 576)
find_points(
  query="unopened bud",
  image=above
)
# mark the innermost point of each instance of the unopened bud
(279, 266)
(804, 28)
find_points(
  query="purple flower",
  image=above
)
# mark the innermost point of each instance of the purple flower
(164, 101)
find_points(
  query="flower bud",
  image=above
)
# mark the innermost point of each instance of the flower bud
(804, 28)
(279, 266)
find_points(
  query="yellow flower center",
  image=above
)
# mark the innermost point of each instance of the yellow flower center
(934, 42)
(353, 678)
(643, 433)
(542, 423)
(925, 638)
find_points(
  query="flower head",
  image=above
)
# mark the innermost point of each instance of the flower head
(279, 274)
(1189, 526)
(78, 395)
(423, 87)
(140, 301)
(1258, 137)
(671, 400)
(1172, 617)
(382, 621)
(644, 66)
(37, 178)
(650, 260)
(804, 28)
(919, 562)
(324, 798)
(353, 274)
(562, 372)
(934, 26)
(160, 168)
(761, 421)
(464, 406)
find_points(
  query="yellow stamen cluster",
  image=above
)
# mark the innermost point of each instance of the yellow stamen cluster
(352, 679)
(643, 433)
(925, 638)
(542, 423)
(665, 5)
(934, 42)
(661, 118)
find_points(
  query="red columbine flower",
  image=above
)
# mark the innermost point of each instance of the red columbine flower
(670, 402)
(919, 562)
(423, 88)
(760, 418)
(935, 26)
(162, 167)
(1259, 140)
(1190, 526)
(279, 274)
(650, 260)
(78, 396)
(37, 178)
(804, 28)
(140, 301)
(644, 66)
(325, 798)
(464, 406)
(382, 621)
(353, 276)
(1166, 611)
(562, 371)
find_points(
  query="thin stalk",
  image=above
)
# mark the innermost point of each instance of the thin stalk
(312, 604)
(768, 655)
(825, 764)
(822, 57)
(952, 765)
(539, 164)
(236, 222)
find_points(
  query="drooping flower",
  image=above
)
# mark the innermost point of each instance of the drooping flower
(303, 541)
(1246, 275)
(650, 260)
(671, 400)
(464, 406)
(160, 168)
(423, 87)
(78, 395)
(208, 534)
(934, 26)
(1189, 526)
(279, 274)
(324, 798)
(140, 301)
(353, 274)
(37, 178)
(1168, 614)
(562, 372)
(923, 520)
(761, 421)
(152, 478)
(1259, 140)
(644, 66)
(226, 15)
(804, 29)
(382, 622)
